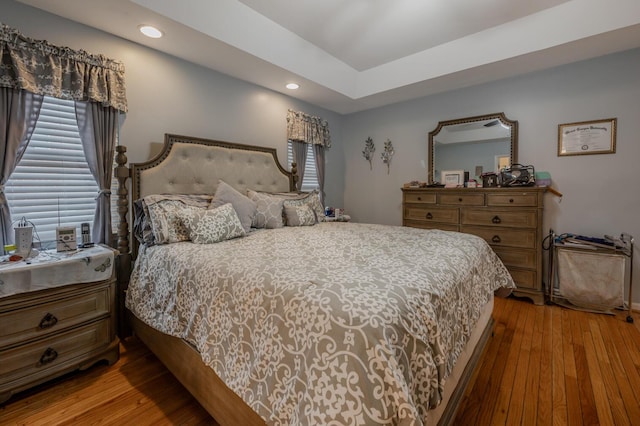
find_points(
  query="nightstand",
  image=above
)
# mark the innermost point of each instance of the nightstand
(57, 314)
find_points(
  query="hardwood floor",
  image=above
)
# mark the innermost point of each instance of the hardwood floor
(544, 365)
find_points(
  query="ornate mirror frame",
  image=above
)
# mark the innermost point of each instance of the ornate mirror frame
(513, 124)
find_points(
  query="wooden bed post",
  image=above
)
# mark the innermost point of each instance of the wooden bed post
(294, 172)
(123, 261)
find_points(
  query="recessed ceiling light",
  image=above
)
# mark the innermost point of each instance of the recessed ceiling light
(292, 86)
(150, 31)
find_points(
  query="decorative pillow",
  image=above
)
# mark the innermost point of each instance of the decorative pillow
(299, 215)
(215, 225)
(168, 219)
(244, 207)
(142, 227)
(141, 223)
(299, 198)
(269, 210)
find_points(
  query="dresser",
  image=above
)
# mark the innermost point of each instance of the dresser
(509, 219)
(48, 332)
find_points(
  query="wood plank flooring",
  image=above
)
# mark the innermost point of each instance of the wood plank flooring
(543, 365)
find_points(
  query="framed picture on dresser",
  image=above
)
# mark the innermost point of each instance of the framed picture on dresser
(452, 178)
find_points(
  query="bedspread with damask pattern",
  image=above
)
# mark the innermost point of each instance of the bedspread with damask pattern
(338, 323)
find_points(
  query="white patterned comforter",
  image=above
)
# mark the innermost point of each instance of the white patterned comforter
(338, 323)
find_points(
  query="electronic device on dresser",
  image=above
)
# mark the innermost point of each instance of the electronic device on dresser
(66, 238)
(509, 219)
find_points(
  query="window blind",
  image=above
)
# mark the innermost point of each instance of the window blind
(52, 184)
(310, 178)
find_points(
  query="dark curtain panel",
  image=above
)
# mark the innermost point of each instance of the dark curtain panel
(19, 111)
(318, 154)
(300, 157)
(98, 127)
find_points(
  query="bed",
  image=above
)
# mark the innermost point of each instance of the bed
(332, 323)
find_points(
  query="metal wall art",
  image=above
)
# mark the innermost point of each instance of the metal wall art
(369, 149)
(387, 154)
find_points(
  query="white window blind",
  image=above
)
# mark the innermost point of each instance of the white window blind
(310, 178)
(52, 183)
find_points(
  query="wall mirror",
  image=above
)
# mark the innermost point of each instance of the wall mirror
(481, 144)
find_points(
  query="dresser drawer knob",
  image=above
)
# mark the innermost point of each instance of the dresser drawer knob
(496, 239)
(511, 200)
(49, 320)
(48, 356)
(496, 219)
(460, 199)
(419, 198)
(429, 216)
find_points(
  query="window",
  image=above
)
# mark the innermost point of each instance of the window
(310, 179)
(52, 185)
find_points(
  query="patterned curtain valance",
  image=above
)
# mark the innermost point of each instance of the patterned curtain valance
(302, 127)
(42, 68)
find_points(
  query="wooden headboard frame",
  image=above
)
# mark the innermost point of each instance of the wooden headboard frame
(190, 165)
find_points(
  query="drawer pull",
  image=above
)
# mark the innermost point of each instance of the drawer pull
(511, 200)
(460, 199)
(419, 198)
(49, 320)
(496, 219)
(496, 239)
(429, 216)
(48, 356)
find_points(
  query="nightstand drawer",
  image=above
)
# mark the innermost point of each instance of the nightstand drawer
(26, 323)
(431, 214)
(43, 357)
(461, 199)
(518, 218)
(525, 238)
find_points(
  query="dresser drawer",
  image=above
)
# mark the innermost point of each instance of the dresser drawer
(431, 214)
(525, 238)
(461, 199)
(431, 225)
(46, 356)
(525, 278)
(518, 218)
(518, 199)
(511, 256)
(28, 322)
(419, 197)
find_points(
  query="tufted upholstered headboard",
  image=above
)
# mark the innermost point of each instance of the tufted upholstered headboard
(189, 165)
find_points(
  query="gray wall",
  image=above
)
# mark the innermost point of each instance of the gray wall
(600, 192)
(169, 95)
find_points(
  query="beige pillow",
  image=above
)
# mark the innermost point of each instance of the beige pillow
(302, 215)
(244, 207)
(268, 210)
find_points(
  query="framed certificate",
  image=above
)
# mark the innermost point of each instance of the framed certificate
(587, 137)
(452, 178)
